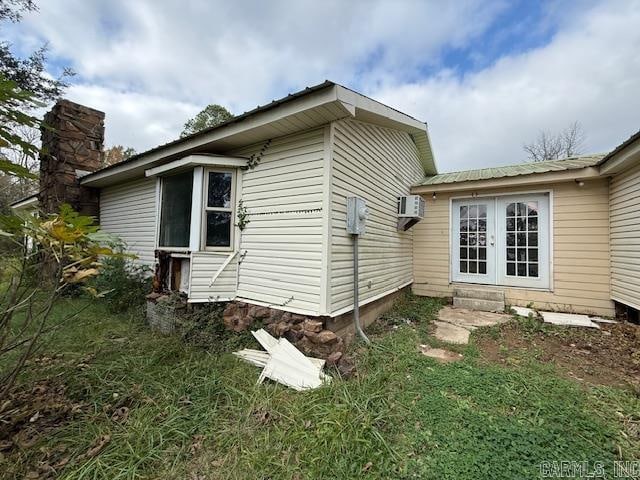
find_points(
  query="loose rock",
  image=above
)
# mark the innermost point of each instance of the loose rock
(325, 337)
(314, 326)
(334, 359)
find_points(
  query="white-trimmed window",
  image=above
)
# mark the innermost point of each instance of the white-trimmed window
(219, 198)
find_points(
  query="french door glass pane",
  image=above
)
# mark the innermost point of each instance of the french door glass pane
(522, 232)
(473, 238)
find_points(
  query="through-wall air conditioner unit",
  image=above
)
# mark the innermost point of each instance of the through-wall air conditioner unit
(410, 211)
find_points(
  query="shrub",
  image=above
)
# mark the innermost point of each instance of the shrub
(125, 282)
(69, 248)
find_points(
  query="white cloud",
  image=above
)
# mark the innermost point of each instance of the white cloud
(238, 54)
(150, 65)
(589, 72)
(134, 119)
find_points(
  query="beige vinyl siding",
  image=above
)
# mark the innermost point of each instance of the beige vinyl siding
(282, 244)
(580, 250)
(204, 266)
(379, 165)
(128, 210)
(625, 237)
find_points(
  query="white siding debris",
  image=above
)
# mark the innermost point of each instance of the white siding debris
(284, 363)
(128, 210)
(379, 165)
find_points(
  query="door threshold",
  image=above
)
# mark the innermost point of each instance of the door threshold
(497, 287)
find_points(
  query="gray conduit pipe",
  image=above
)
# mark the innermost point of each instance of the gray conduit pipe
(356, 299)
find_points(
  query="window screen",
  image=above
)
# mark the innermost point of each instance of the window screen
(175, 221)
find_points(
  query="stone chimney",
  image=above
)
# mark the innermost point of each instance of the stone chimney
(72, 139)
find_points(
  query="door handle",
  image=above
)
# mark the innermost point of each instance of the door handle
(492, 241)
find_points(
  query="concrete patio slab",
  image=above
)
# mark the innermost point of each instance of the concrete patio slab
(440, 354)
(471, 319)
(568, 319)
(451, 333)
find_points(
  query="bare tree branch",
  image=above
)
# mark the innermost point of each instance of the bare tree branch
(549, 146)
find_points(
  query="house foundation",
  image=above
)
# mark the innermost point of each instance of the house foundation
(314, 336)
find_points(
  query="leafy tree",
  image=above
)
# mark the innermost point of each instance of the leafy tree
(71, 246)
(18, 150)
(549, 146)
(117, 154)
(29, 74)
(12, 9)
(211, 116)
(24, 86)
(14, 103)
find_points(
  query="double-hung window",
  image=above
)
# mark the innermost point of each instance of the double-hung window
(218, 209)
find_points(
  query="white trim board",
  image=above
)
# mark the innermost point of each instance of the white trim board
(362, 303)
(191, 161)
(327, 236)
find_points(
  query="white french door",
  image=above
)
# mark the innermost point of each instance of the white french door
(501, 240)
(474, 252)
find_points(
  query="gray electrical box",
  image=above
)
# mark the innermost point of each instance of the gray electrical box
(357, 214)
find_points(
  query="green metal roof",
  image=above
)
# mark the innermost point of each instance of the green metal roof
(573, 163)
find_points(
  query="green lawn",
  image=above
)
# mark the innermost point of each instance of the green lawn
(196, 414)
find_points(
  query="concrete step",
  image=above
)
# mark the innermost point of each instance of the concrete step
(479, 304)
(479, 293)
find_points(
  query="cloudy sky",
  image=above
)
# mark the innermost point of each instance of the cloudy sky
(485, 75)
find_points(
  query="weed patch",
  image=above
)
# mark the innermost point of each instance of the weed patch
(153, 406)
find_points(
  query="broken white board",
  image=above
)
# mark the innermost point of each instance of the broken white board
(524, 311)
(254, 357)
(267, 341)
(284, 363)
(568, 319)
(602, 320)
(260, 358)
(290, 367)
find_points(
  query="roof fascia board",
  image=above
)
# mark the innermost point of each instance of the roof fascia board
(622, 160)
(313, 100)
(198, 160)
(361, 102)
(512, 181)
(417, 129)
(25, 203)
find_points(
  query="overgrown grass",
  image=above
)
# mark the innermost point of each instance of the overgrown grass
(196, 413)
